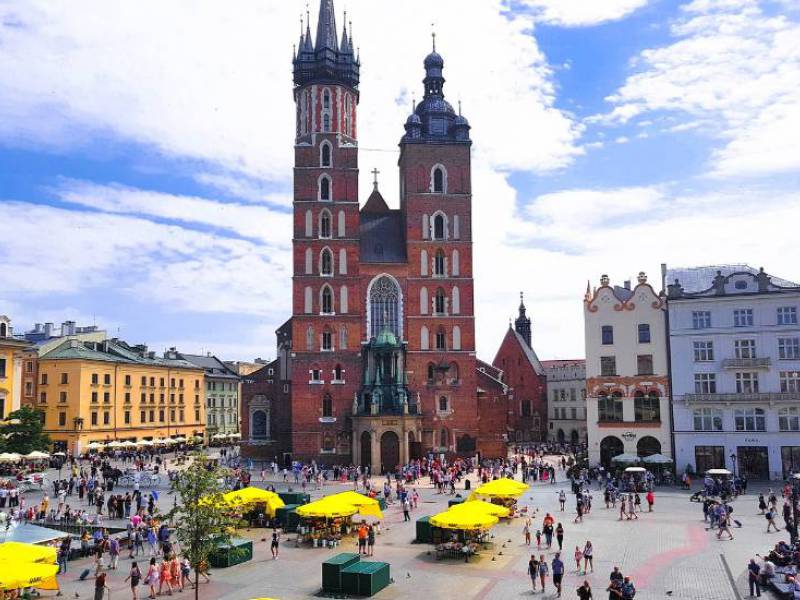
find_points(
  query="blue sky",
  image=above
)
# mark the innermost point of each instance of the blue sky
(145, 153)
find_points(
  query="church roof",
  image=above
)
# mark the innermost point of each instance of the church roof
(382, 236)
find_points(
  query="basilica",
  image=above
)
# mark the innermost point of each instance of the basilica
(377, 364)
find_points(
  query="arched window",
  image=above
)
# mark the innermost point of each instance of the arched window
(342, 261)
(424, 343)
(325, 154)
(327, 406)
(385, 306)
(327, 339)
(326, 300)
(343, 301)
(308, 301)
(258, 425)
(439, 304)
(431, 373)
(441, 339)
(456, 337)
(341, 224)
(325, 224)
(423, 301)
(326, 263)
(439, 227)
(456, 266)
(309, 261)
(337, 373)
(310, 338)
(439, 263)
(309, 224)
(455, 303)
(423, 263)
(438, 180)
(324, 188)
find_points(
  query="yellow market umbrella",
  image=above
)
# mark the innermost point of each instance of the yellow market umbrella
(366, 506)
(27, 553)
(327, 508)
(477, 505)
(464, 520)
(502, 488)
(14, 574)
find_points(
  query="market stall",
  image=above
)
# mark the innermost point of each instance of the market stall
(465, 530)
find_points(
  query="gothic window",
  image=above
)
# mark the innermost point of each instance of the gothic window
(325, 224)
(309, 224)
(423, 263)
(456, 301)
(308, 301)
(424, 343)
(326, 263)
(423, 301)
(258, 427)
(325, 154)
(440, 339)
(309, 261)
(456, 338)
(438, 263)
(327, 300)
(327, 339)
(341, 224)
(327, 406)
(439, 302)
(343, 301)
(342, 261)
(310, 338)
(324, 188)
(439, 227)
(384, 306)
(438, 185)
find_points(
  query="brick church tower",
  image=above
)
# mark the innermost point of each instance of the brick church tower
(327, 300)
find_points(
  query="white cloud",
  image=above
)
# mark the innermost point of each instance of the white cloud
(731, 65)
(581, 13)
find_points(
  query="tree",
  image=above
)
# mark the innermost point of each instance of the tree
(23, 431)
(201, 518)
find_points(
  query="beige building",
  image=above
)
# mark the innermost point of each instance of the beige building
(103, 391)
(627, 380)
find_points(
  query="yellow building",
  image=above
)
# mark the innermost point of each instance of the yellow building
(11, 351)
(105, 391)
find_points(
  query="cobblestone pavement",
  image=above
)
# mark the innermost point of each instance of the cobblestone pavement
(668, 553)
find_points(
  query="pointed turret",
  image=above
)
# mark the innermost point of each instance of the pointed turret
(522, 325)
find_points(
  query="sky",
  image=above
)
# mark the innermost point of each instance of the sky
(146, 153)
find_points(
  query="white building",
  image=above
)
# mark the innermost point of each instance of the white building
(566, 404)
(627, 404)
(735, 353)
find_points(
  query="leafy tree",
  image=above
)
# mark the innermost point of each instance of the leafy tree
(23, 431)
(200, 517)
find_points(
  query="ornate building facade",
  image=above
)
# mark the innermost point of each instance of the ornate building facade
(382, 363)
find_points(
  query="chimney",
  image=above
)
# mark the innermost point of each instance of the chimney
(48, 330)
(627, 284)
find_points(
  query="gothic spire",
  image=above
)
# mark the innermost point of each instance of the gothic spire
(326, 27)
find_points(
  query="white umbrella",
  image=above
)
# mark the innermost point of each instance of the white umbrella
(657, 459)
(36, 455)
(10, 457)
(626, 458)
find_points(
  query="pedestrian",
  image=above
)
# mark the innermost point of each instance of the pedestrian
(526, 532)
(560, 536)
(543, 571)
(588, 557)
(135, 576)
(533, 571)
(753, 571)
(585, 591)
(578, 559)
(151, 578)
(273, 547)
(100, 586)
(558, 572)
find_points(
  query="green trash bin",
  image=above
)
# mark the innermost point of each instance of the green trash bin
(365, 578)
(424, 530)
(332, 570)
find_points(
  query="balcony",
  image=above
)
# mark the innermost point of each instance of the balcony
(744, 397)
(746, 363)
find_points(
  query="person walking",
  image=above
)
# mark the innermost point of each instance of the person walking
(588, 557)
(560, 536)
(753, 580)
(135, 577)
(533, 571)
(585, 591)
(273, 546)
(558, 572)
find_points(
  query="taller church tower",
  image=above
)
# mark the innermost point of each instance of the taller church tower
(326, 328)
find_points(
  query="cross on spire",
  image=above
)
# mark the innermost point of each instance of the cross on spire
(375, 174)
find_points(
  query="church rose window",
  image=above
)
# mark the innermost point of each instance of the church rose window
(384, 306)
